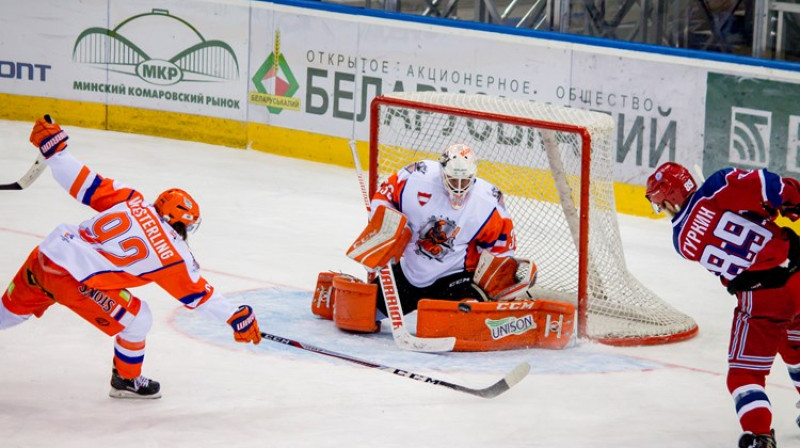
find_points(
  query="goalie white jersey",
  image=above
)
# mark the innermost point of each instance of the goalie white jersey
(445, 240)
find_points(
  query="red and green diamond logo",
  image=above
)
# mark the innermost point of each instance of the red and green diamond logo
(280, 75)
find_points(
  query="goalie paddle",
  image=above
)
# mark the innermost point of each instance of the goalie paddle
(513, 377)
(26, 180)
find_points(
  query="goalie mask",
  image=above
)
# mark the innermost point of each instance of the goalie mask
(179, 210)
(670, 183)
(459, 165)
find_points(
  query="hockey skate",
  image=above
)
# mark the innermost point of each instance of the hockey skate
(139, 387)
(750, 440)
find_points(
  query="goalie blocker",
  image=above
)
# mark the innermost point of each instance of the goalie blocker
(383, 240)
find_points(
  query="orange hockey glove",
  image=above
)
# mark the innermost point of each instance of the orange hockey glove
(505, 278)
(245, 325)
(48, 137)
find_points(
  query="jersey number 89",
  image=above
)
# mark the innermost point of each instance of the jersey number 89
(742, 239)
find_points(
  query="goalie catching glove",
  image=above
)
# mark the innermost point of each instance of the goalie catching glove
(383, 240)
(505, 278)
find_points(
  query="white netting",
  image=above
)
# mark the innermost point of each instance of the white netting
(532, 152)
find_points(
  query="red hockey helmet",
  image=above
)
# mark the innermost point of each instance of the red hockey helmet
(175, 206)
(672, 183)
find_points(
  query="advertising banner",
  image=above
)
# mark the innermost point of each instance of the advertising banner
(325, 80)
(330, 76)
(656, 105)
(752, 123)
(185, 56)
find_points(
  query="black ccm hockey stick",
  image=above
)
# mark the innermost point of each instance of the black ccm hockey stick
(33, 173)
(25, 181)
(507, 382)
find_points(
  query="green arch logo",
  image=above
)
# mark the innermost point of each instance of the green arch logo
(117, 50)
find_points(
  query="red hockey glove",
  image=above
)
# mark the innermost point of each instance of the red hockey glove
(48, 137)
(245, 325)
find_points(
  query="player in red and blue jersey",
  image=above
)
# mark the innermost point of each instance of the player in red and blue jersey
(727, 224)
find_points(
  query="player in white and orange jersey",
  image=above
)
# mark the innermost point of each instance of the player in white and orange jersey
(455, 220)
(130, 243)
(727, 224)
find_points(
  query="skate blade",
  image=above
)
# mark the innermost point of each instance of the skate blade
(115, 393)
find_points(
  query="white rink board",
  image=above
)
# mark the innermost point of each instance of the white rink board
(62, 35)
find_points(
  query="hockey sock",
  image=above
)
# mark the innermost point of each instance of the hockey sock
(794, 374)
(128, 357)
(752, 404)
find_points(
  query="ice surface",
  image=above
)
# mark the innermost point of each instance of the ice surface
(270, 225)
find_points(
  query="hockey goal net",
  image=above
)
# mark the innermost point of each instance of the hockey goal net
(554, 166)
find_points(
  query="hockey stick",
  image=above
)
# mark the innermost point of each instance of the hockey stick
(26, 180)
(33, 172)
(402, 337)
(507, 382)
(699, 173)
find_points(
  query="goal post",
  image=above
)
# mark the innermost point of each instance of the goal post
(554, 166)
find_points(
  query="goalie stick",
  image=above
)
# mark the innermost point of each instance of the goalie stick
(402, 337)
(513, 377)
(26, 180)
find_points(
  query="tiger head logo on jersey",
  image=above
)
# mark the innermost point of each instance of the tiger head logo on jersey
(436, 238)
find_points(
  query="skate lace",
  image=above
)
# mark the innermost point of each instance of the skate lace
(140, 382)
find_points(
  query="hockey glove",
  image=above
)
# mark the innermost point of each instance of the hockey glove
(505, 278)
(245, 325)
(48, 137)
(792, 212)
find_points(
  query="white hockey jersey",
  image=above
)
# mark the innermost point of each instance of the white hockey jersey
(445, 240)
(126, 244)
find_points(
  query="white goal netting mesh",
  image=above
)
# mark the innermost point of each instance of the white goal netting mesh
(533, 153)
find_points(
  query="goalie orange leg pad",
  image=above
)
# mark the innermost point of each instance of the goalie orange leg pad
(322, 302)
(354, 308)
(489, 326)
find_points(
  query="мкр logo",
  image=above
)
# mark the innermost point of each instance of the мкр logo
(159, 48)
